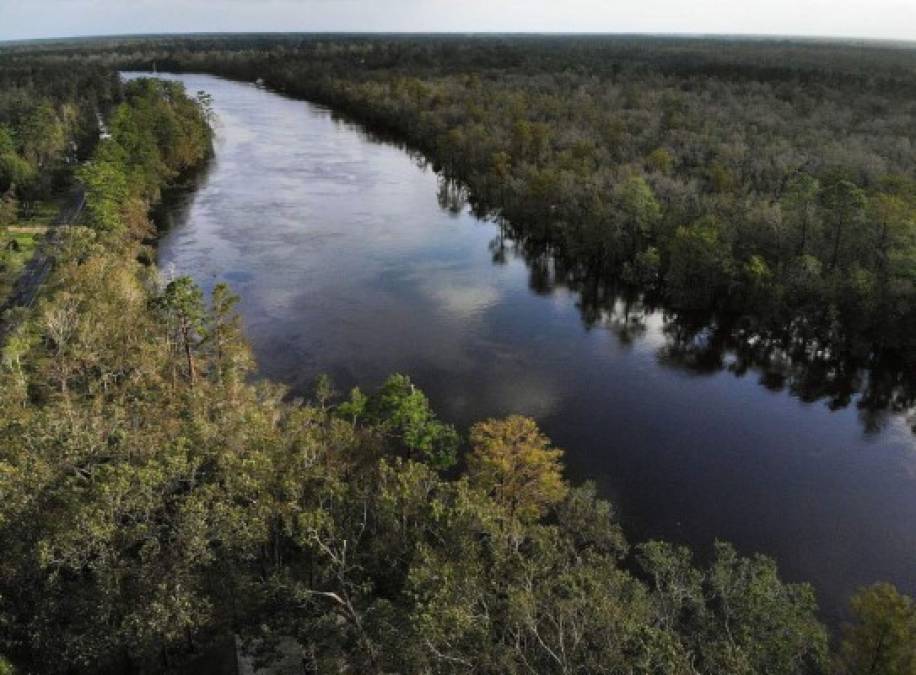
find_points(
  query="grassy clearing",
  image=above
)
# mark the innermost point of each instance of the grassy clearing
(16, 249)
(41, 214)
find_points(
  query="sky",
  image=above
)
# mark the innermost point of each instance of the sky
(891, 19)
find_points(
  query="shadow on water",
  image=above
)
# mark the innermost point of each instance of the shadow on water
(174, 206)
(788, 359)
(700, 343)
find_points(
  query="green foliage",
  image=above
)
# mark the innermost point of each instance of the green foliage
(149, 515)
(844, 205)
(156, 134)
(721, 178)
(9, 210)
(43, 135)
(354, 407)
(403, 411)
(15, 172)
(7, 140)
(660, 160)
(882, 640)
(182, 308)
(223, 337)
(799, 204)
(757, 271)
(639, 209)
(644, 270)
(551, 134)
(106, 194)
(47, 121)
(737, 616)
(699, 262)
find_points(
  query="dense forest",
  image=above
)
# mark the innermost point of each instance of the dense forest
(759, 190)
(156, 501)
(773, 181)
(48, 123)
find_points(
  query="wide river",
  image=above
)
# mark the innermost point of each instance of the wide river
(348, 263)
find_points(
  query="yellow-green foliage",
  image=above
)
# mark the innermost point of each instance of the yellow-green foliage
(882, 638)
(513, 461)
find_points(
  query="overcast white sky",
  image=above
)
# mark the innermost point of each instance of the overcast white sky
(855, 18)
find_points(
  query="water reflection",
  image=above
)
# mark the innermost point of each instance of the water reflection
(789, 360)
(354, 259)
(785, 362)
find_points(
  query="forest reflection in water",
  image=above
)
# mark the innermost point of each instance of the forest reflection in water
(353, 257)
(789, 358)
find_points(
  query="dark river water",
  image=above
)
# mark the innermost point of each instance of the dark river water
(348, 264)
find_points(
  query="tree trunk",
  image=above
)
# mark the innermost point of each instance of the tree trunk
(192, 374)
(836, 246)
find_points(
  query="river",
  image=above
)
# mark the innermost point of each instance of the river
(353, 259)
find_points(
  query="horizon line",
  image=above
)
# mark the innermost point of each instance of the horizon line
(366, 33)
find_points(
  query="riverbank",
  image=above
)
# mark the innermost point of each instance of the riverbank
(658, 168)
(347, 265)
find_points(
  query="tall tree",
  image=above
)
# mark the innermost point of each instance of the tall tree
(639, 208)
(844, 204)
(800, 206)
(882, 638)
(513, 461)
(182, 306)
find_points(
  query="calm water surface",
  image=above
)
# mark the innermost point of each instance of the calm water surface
(347, 264)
